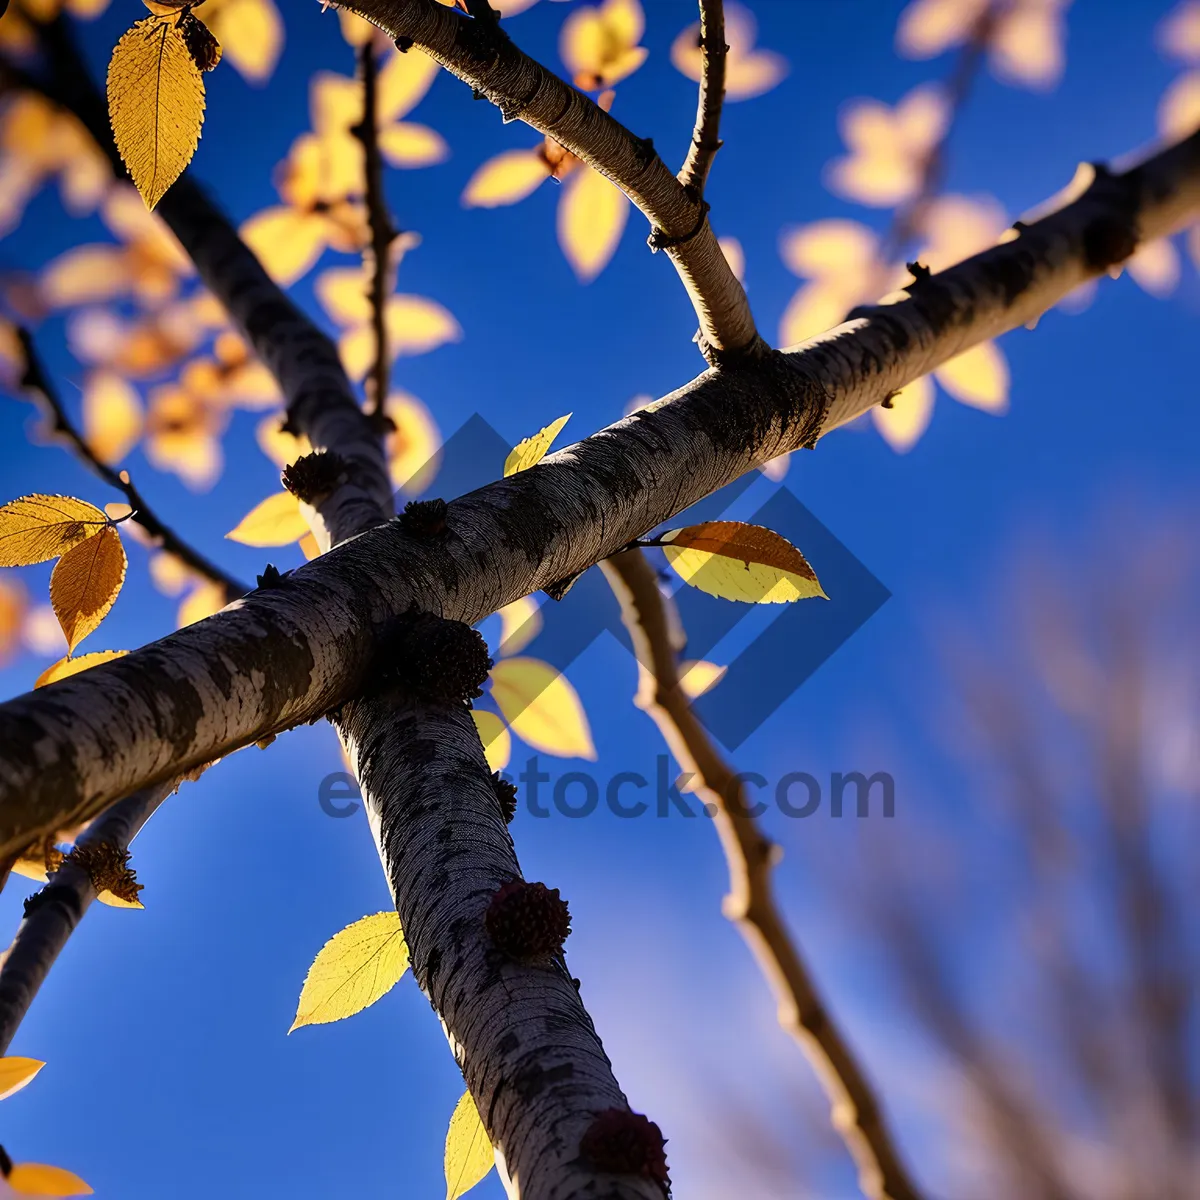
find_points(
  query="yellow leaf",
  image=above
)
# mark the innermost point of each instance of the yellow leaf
(927, 27)
(591, 218)
(748, 71)
(112, 415)
(493, 733)
(978, 377)
(414, 446)
(107, 897)
(205, 600)
(505, 179)
(698, 677)
(520, 623)
(275, 521)
(599, 45)
(310, 547)
(417, 325)
(735, 256)
(403, 82)
(37, 1179)
(409, 145)
(815, 307)
(344, 294)
(1179, 34)
(86, 275)
(72, 666)
(170, 574)
(533, 449)
(251, 32)
(909, 415)
(1027, 45)
(280, 447)
(286, 242)
(15, 1073)
(156, 102)
(736, 561)
(35, 528)
(1155, 267)
(85, 582)
(542, 708)
(469, 1154)
(1179, 108)
(353, 969)
(13, 605)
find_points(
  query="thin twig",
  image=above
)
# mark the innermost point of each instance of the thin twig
(706, 139)
(750, 904)
(383, 231)
(36, 381)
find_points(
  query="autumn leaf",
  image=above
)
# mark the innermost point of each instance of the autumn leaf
(599, 46)
(85, 583)
(112, 416)
(38, 527)
(156, 103)
(275, 521)
(749, 71)
(908, 415)
(206, 598)
(542, 708)
(469, 1154)
(978, 377)
(520, 623)
(37, 1179)
(68, 666)
(251, 32)
(505, 179)
(353, 969)
(494, 735)
(699, 676)
(532, 450)
(736, 561)
(591, 219)
(15, 1073)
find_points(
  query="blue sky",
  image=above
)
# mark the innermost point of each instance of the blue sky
(169, 1072)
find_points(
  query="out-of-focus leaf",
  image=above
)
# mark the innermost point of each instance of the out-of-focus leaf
(275, 521)
(1155, 267)
(38, 1179)
(505, 179)
(542, 708)
(112, 415)
(909, 415)
(15, 1073)
(591, 218)
(251, 32)
(978, 377)
(749, 71)
(520, 623)
(493, 733)
(353, 969)
(599, 46)
(699, 676)
(287, 242)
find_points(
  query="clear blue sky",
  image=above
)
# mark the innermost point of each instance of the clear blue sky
(169, 1072)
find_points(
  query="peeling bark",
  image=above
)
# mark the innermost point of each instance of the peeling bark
(289, 654)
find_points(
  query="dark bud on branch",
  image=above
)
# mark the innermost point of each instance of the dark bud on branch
(107, 866)
(202, 46)
(627, 1143)
(528, 922)
(314, 476)
(271, 577)
(506, 796)
(424, 518)
(445, 662)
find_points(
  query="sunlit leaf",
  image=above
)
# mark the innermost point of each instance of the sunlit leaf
(280, 447)
(599, 46)
(542, 708)
(66, 667)
(978, 377)
(85, 275)
(493, 733)
(414, 446)
(505, 179)
(406, 144)
(37, 527)
(287, 242)
(251, 31)
(908, 417)
(698, 677)
(403, 81)
(156, 102)
(275, 521)
(37, 1179)
(15, 1073)
(205, 599)
(114, 901)
(353, 969)
(112, 415)
(533, 449)
(591, 218)
(520, 623)
(1179, 33)
(749, 71)
(85, 583)
(737, 561)
(469, 1154)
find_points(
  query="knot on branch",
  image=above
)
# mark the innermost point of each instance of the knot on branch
(659, 239)
(528, 922)
(107, 867)
(919, 271)
(271, 577)
(506, 796)
(425, 518)
(444, 662)
(1108, 240)
(314, 476)
(627, 1143)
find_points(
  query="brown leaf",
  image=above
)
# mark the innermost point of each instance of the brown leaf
(85, 582)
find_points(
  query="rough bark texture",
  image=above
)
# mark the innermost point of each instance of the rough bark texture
(520, 1033)
(289, 654)
(706, 139)
(481, 54)
(60, 907)
(750, 904)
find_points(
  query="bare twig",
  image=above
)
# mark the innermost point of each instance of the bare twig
(383, 230)
(481, 54)
(750, 904)
(706, 139)
(37, 383)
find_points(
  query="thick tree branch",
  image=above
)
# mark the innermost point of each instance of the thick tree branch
(53, 913)
(482, 55)
(383, 231)
(706, 140)
(289, 654)
(856, 1113)
(37, 383)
